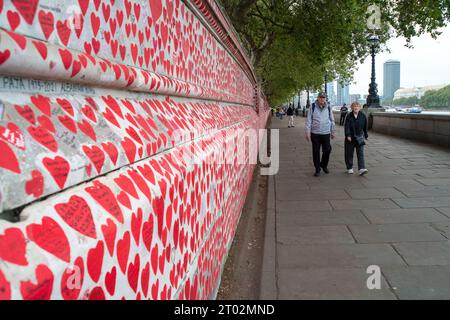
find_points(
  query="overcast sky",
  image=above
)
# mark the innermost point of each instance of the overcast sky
(428, 63)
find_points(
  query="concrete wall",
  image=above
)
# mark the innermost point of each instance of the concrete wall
(433, 129)
(107, 200)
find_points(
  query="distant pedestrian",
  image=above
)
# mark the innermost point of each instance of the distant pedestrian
(344, 111)
(319, 128)
(355, 136)
(290, 114)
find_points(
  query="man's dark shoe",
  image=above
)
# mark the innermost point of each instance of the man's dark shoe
(325, 170)
(317, 173)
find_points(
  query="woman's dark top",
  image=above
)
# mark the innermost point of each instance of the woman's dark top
(356, 126)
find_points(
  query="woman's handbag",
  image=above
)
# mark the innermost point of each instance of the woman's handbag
(360, 140)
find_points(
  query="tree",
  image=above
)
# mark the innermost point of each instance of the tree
(293, 44)
(436, 99)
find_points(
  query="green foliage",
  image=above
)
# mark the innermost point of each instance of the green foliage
(409, 101)
(295, 43)
(436, 99)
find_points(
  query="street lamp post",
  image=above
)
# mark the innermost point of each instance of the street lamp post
(373, 100)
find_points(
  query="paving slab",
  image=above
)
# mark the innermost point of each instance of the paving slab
(292, 234)
(388, 233)
(420, 215)
(425, 202)
(337, 255)
(419, 283)
(425, 253)
(363, 204)
(299, 206)
(375, 193)
(321, 218)
(330, 284)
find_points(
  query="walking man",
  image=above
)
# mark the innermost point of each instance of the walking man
(320, 127)
(290, 114)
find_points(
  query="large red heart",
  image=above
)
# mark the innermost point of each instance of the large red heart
(110, 281)
(47, 23)
(105, 197)
(87, 129)
(64, 31)
(112, 103)
(26, 8)
(72, 280)
(123, 250)
(95, 261)
(66, 57)
(84, 4)
(41, 47)
(4, 56)
(145, 277)
(42, 290)
(133, 273)
(50, 237)
(35, 186)
(111, 150)
(130, 149)
(8, 160)
(66, 106)
(59, 168)
(5, 288)
(13, 247)
(136, 223)
(77, 214)
(69, 123)
(46, 123)
(43, 103)
(13, 19)
(109, 231)
(140, 182)
(13, 135)
(26, 112)
(126, 185)
(156, 8)
(147, 232)
(96, 155)
(154, 255)
(110, 117)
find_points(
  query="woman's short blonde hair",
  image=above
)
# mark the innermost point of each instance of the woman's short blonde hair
(356, 104)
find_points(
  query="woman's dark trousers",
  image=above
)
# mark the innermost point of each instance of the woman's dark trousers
(349, 153)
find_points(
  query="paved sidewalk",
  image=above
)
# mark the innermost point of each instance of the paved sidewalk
(323, 233)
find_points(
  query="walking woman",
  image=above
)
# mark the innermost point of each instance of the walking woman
(355, 136)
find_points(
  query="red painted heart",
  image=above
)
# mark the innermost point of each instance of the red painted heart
(35, 186)
(77, 214)
(8, 160)
(105, 197)
(59, 168)
(42, 290)
(13, 247)
(123, 250)
(50, 237)
(95, 261)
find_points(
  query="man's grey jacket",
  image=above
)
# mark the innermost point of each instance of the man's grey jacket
(321, 121)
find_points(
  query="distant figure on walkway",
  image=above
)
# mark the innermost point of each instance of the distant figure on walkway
(290, 114)
(355, 136)
(344, 111)
(320, 126)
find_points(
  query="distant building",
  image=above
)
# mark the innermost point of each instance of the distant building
(343, 94)
(415, 92)
(355, 97)
(331, 94)
(391, 78)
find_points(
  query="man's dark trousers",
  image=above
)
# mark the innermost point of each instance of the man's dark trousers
(319, 140)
